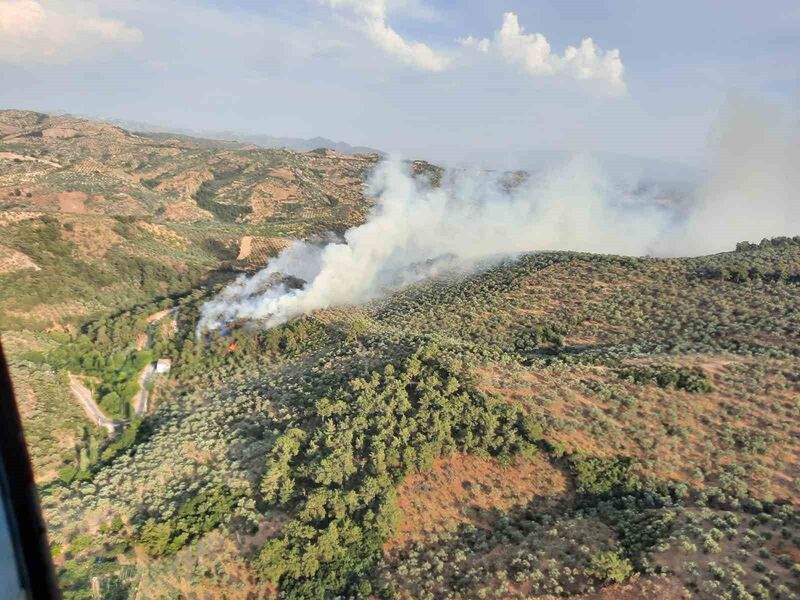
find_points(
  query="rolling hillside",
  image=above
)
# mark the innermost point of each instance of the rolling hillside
(558, 425)
(92, 213)
(555, 425)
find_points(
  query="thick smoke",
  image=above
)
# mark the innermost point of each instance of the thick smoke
(753, 190)
(416, 230)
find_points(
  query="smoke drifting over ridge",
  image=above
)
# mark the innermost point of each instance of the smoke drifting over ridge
(416, 231)
(753, 189)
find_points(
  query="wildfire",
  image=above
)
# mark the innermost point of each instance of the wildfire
(232, 346)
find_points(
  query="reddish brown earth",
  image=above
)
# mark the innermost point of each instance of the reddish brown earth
(458, 486)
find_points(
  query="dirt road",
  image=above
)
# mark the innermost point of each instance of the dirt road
(140, 402)
(140, 405)
(84, 396)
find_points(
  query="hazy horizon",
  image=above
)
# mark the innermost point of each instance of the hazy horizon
(415, 77)
(497, 158)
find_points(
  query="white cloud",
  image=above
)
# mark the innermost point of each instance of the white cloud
(481, 45)
(372, 14)
(33, 31)
(511, 43)
(532, 51)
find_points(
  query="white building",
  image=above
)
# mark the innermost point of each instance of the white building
(163, 365)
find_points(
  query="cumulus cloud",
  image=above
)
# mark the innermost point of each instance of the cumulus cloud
(511, 43)
(372, 15)
(481, 45)
(33, 31)
(532, 51)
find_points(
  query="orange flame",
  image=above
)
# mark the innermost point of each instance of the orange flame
(232, 346)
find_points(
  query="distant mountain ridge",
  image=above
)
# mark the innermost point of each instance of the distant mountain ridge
(648, 171)
(298, 144)
(257, 139)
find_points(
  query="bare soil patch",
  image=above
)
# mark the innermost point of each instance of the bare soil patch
(12, 260)
(245, 247)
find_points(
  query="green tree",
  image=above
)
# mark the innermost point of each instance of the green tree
(610, 567)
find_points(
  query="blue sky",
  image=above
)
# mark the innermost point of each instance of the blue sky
(398, 74)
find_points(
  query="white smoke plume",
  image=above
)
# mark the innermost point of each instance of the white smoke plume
(415, 230)
(753, 190)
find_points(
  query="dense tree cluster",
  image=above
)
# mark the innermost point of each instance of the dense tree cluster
(198, 515)
(599, 475)
(692, 379)
(339, 467)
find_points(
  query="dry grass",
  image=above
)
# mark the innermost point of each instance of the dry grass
(458, 486)
(164, 234)
(93, 238)
(674, 433)
(11, 260)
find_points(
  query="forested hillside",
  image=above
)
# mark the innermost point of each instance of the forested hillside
(558, 424)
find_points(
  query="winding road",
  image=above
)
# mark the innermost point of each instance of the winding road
(140, 402)
(84, 396)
